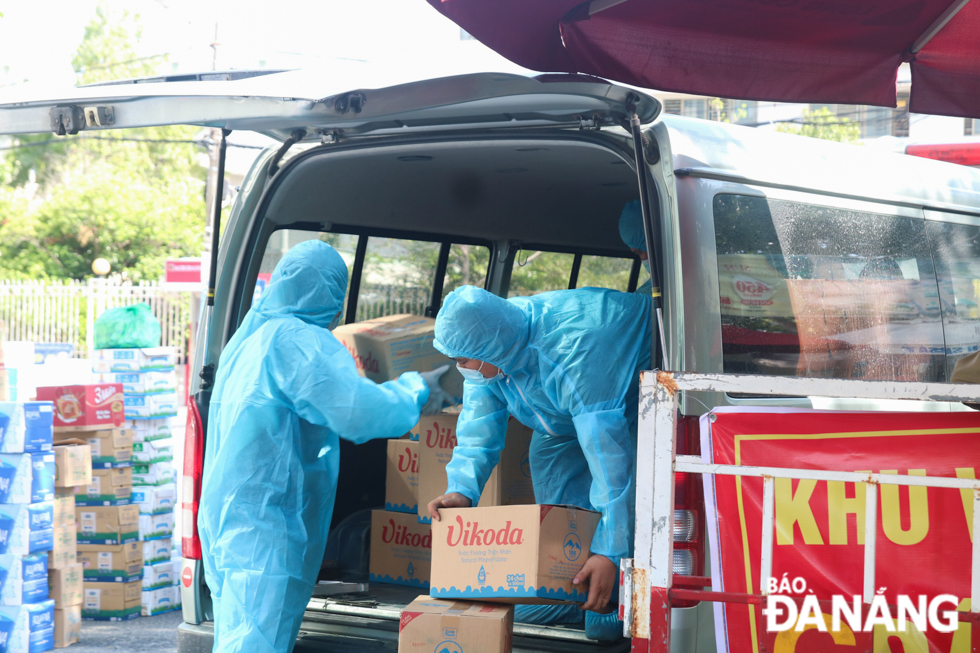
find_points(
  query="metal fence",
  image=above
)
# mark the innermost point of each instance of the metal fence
(65, 311)
(378, 301)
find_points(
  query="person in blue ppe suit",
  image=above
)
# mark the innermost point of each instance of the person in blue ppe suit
(565, 363)
(286, 391)
(631, 231)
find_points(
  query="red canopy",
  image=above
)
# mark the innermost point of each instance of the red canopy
(819, 51)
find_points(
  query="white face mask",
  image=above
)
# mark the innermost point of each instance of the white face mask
(476, 376)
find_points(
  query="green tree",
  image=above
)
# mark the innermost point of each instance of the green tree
(822, 123)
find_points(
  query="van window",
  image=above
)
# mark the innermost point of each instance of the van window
(397, 277)
(957, 250)
(467, 266)
(606, 272)
(537, 271)
(815, 291)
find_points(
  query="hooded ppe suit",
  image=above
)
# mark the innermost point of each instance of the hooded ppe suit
(631, 231)
(570, 362)
(286, 390)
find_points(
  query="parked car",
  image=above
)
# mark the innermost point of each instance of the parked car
(754, 235)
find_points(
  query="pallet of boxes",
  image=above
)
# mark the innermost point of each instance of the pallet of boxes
(149, 384)
(27, 529)
(506, 550)
(106, 524)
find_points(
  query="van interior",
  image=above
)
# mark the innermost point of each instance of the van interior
(542, 212)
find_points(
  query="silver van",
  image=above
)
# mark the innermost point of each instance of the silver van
(775, 254)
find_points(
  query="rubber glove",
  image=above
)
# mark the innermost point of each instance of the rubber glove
(438, 398)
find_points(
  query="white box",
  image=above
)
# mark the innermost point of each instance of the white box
(153, 451)
(133, 360)
(146, 430)
(159, 575)
(160, 600)
(142, 383)
(156, 526)
(155, 474)
(151, 406)
(25, 579)
(26, 477)
(155, 551)
(26, 426)
(155, 500)
(33, 627)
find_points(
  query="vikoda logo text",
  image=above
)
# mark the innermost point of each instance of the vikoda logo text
(401, 536)
(473, 535)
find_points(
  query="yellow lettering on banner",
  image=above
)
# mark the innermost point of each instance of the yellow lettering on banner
(795, 508)
(891, 512)
(912, 639)
(967, 495)
(961, 638)
(839, 506)
(786, 640)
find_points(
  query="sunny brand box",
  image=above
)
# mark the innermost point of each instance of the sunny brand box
(82, 407)
(401, 549)
(429, 624)
(402, 478)
(512, 554)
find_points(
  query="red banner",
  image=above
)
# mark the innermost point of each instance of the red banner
(924, 535)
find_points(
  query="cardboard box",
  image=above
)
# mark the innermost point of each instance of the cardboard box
(401, 549)
(155, 527)
(155, 551)
(159, 575)
(32, 628)
(109, 487)
(111, 563)
(386, 347)
(148, 430)
(155, 474)
(26, 528)
(153, 451)
(142, 383)
(67, 625)
(109, 447)
(111, 601)
(64, 547)
(65, 585)
(510, 482)
(160, 600)
(26, 477)
(107, 524)
(24, 579)
(429, 624)
(402, 480)
(133, 360)
(26, 427)
(511, 554)
(64, 507)
(83, 407)
(151, 406)
(73, 464)
(155, 500)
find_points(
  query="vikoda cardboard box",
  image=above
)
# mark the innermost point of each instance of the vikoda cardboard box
(109, 487)
(65, 585)
(107, 524)
(402, 480)
(386, 347)
(67, 625)
(25, 426)
(25, 579)
(63, 551)
(429, 624)
(510, 482)
(511, 554)
(72, 463)
(401, 549)
(31, 627)
(111, 563)
(82, 407)
(111, 601)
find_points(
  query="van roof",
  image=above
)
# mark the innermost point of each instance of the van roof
(750, 155)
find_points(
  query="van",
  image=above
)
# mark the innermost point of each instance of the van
(776, 255)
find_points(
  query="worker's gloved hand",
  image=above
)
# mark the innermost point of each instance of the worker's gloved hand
(438, 398)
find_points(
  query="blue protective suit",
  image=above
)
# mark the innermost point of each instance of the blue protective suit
(631, 231)
(570, 361)
(286, 390)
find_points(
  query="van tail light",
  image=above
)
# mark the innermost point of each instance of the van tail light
(190, 488)
(689, 549)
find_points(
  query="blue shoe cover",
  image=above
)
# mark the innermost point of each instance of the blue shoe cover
(603, 627)
(548, 615)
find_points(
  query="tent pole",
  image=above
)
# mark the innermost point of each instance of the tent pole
(935, 28)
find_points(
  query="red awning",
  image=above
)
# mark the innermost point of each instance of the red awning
(814, 51)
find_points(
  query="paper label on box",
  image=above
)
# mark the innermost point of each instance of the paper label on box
(95, 489)
(93, 600)
(105, 561)
(88, 522)
(96, 445)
